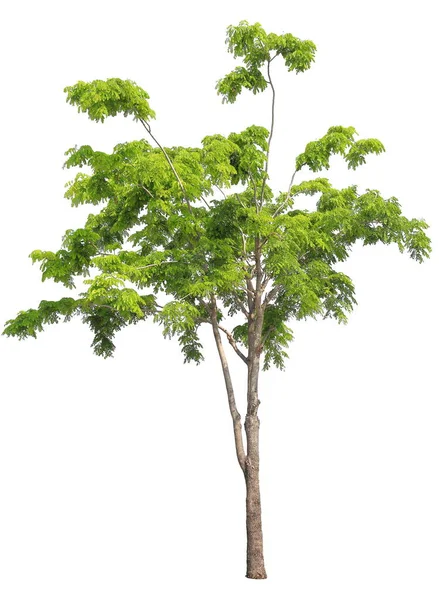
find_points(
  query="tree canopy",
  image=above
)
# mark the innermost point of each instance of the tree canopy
(192, 224)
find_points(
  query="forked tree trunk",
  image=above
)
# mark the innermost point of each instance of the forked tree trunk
(248, 461)
(255, 552)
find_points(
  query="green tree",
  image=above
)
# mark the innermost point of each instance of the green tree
(202, 228)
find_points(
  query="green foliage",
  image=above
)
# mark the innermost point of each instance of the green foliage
(182, 319)
(191, 224)
(30, 322)
(102, 99)
(231, 85)
(249, 42)
(277, 336)
(249, 158)
(257, 48)
(304, 246)
(338, 140)
(217, 160)
(74, 258)
(297, 54)
(104, 322)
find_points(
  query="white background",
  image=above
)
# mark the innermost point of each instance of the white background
(118, 478)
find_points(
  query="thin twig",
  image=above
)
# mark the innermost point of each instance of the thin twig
(146, 190)
(164, 262)
(242, 307)
(205, 202)
(221, 191)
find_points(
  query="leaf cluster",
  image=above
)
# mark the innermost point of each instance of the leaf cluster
(101, 99)
(258, 48)
(338, 140)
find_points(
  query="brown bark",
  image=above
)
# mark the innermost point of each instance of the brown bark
(249, 462)
(255, 551)
(236, 417)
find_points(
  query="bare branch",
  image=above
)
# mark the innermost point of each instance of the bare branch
(237, 427)
(244, 243)
(241, 304)
(271, 294)
(285, 202)
(242, 307)
(146, 190)
(271, 128)
(233, 343)
(230, 337)
(205, 201)
(251, 294)
(265, 281)
(221, 191)
(250, 286)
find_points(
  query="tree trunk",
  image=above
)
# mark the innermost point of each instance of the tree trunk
(255, 552)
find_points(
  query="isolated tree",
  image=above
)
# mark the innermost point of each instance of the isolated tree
(202, 228)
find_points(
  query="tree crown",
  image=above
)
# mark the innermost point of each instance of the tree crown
(202, 227)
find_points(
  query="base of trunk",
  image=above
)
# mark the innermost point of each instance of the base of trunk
(255, 553)
(257, 574)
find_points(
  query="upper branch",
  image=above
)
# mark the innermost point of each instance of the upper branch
(180, 183)
(273, 100)
(285, 202)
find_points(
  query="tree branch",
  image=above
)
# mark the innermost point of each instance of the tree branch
(271, 128)
(232, 342)
(250, 295)
(205, 202)
(148, 129)
(265, 281)
(271, 294)
(221, 191)
(230, 337)
(279, 208)
(236, 417)
(146, 190)
(241, 304)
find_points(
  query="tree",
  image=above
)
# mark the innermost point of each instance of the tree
(202, 229)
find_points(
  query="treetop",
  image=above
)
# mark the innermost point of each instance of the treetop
(256, 47)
